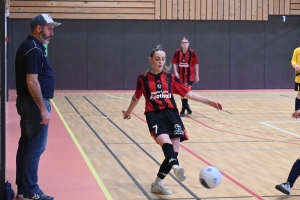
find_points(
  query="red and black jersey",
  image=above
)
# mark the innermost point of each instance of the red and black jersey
(187, 74)
(158, 90)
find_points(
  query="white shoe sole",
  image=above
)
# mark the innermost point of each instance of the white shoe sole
(282, 189)
(180, 174)
(158, 191)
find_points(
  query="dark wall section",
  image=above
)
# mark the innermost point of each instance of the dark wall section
(68, 53)
(17, 33)
(280, 41)
(140, 38)
(105, 63)
(109, 54)
(212, 44)
(247, 55)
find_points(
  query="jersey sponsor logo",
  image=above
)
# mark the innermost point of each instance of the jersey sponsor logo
(160, 95)
(184, 65)
(178, 130)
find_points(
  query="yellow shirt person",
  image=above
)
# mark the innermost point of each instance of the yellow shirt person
(295, 63)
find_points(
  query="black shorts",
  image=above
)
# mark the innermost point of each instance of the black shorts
(166, 121)
(297, 87)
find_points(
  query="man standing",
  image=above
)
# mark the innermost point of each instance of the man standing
(35, 86)
(186, 68)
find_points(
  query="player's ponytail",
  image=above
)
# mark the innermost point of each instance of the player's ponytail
(167, 67)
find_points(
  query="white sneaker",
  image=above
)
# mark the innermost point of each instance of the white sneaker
(284, 188)
(160, 189)
(179, 173)
(19, 196)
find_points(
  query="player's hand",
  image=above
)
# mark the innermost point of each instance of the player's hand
(197, 78)
(126, 115)
(297, 68)
(176, 74)
(296, 114)
(215, 104)
(46, 117)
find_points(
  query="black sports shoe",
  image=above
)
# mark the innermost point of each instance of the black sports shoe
(284, 188)
(182, 112)
(37, 197)
(188, 109)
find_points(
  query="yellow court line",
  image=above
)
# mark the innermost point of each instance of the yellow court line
(115, 96)
(86, 159)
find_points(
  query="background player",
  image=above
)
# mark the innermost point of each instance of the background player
(295, 63)
(186, 68)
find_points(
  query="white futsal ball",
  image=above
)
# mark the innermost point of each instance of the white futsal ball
(210, 177)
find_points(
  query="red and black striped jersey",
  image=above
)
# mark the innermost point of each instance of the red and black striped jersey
(158, 90)
(187, 74)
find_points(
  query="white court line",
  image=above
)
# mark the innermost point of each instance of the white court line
(280, 129)
(283, 122)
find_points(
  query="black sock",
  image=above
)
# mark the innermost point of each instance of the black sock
(294, 173)
(184, 102)
(297, 104)
(165, 168)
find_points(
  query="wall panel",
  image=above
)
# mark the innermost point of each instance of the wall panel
(108, 54)
(64, 46)
(105, 54)
(175, 9)
(213, 43)
(243, 9)
(237, 5)
(140, 37)
(156, 9)
(203, 9)
(247, 55)
(281, 40)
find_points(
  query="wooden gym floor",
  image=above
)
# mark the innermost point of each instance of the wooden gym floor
(92, 153)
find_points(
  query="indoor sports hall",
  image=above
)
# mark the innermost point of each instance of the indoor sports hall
(244, 49)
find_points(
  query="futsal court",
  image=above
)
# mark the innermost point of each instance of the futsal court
(93, 153)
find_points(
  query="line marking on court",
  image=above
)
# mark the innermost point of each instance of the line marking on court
(208, 163)
(86, 159)
(116, 96)
(266, 124)
(228, 112)
(138, 145)
(224, 174)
